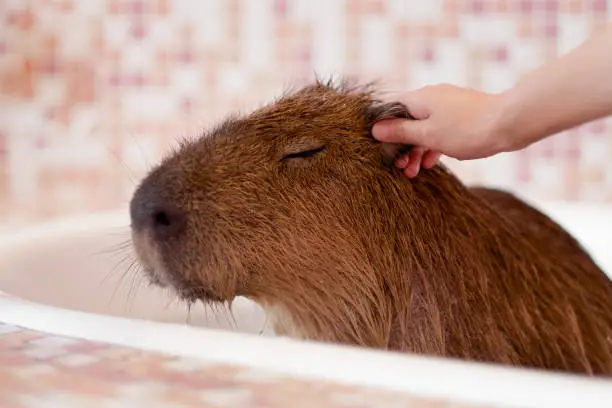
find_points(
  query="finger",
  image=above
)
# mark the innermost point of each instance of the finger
(403, 161)
(400, 131)
(416, 155)
(430, 159)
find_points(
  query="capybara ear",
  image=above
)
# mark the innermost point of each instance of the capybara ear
(389, 110)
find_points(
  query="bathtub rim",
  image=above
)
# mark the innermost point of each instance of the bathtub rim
(428, 376)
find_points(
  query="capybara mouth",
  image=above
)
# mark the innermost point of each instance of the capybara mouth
(153, 278)
(184, 291)
(157, 273)
(193, 294)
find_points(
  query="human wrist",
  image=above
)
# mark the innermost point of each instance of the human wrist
(498, 129)
(510, 127)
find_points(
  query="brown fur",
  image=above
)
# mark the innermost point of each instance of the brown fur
(343, 248)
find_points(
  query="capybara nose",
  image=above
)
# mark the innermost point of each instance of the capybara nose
(149, 212)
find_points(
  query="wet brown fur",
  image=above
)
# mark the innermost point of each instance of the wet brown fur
(350, 251)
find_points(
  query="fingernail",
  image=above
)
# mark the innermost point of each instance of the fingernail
(411, 172)
(431, 161)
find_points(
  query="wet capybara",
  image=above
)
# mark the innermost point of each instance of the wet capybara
(297, 207)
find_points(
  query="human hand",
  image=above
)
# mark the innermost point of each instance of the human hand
(454, 121)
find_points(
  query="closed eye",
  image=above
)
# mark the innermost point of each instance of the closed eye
(305, 154)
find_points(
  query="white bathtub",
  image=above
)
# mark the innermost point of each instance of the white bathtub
(59, 279)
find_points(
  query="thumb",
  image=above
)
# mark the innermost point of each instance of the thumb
(403, 131)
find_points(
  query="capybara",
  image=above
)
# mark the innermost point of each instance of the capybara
(297, 207)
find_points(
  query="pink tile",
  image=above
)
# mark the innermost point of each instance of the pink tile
(162, 7)
(599, 6)
(524, 6)
(186, 57)
(550, 6)
(186, 105)
(546, 149)
(138, 30)
(305, 55)
(50, 65)
(114, 80)
(523, 167)
(427, 54)
(475, 6)
(499, 54)
(113, 6)
(136, 7)
(23, 20)
(597, 127)
(280, 7)
(573, 152)
(40, 143)
(374, 7)
(550, 30)
(136, 80)
(574, 6)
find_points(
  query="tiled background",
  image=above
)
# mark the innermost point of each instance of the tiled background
(94, 91)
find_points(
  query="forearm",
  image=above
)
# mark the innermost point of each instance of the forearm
(570, 91)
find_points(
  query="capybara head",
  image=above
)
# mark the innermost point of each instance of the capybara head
(273, 205)
(297, 207)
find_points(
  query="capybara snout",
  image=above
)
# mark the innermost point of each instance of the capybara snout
(297, 207)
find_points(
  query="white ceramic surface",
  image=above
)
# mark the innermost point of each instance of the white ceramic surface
(87, 265)
(64, 281)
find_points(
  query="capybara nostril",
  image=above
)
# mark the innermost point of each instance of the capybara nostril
(149, 212)
(167, 221)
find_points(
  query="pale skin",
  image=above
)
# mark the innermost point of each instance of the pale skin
(467, 124)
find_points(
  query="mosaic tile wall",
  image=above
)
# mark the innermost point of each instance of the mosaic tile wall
(94, 91)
